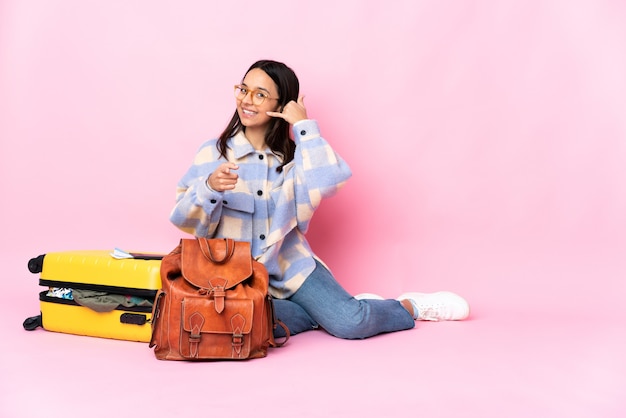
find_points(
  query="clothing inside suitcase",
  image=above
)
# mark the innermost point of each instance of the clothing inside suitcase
(115, 300)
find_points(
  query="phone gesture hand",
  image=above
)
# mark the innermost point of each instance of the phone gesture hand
(292, 112)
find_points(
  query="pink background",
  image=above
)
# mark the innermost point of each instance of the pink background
(488, 145)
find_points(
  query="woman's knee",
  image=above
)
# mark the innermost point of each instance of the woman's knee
(293, 316)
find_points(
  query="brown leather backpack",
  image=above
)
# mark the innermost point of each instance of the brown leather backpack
(213, 304)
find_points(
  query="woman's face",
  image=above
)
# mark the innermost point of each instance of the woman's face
(252, 115)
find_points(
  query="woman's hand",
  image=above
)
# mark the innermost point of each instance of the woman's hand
(292, 112)
(222, 179)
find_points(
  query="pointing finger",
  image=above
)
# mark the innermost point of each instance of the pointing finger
(228, 166)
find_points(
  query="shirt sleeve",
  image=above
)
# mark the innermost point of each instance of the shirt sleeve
(319, 172)
(198, 207)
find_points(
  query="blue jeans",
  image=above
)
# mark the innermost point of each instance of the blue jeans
(322, 302)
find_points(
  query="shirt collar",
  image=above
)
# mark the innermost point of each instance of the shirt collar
(242, 147)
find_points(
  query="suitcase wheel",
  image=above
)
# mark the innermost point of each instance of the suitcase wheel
(32, 323)
(35, 265)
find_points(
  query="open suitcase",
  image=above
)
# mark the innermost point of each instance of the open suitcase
(102, 281)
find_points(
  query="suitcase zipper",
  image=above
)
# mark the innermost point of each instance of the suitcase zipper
(51, 299)
(145, 293)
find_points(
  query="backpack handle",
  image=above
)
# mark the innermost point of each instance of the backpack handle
(208, 254)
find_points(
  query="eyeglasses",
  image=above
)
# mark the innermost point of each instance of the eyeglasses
(257, 96)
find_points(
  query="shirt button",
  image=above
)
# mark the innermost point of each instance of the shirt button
(303, 132)
(261, 157)
(259, 192)
(213, 201)
(262, 237)
(225, 202)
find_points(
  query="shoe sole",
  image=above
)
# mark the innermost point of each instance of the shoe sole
(464, 312)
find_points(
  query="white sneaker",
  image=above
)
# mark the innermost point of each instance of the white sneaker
(361, 296)
(438, 306)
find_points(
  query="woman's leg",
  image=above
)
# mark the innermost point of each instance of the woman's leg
(326, 303)
(293, 316)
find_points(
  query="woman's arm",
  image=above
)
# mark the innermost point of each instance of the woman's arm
(316, 171)
(198, 207)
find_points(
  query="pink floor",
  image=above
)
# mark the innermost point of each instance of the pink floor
(505, 361)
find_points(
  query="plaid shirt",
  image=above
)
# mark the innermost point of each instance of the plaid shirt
(270, 210)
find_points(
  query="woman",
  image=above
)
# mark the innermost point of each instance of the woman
(257, 184)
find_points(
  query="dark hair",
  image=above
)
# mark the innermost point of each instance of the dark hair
(277, 136)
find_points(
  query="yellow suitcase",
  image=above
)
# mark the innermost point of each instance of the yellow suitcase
(134, 281)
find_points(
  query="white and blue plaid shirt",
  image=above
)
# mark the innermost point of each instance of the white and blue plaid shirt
(270, 210)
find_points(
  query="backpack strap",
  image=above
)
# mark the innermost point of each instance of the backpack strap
(275, 323)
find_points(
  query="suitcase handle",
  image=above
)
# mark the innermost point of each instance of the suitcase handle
(133, 318)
